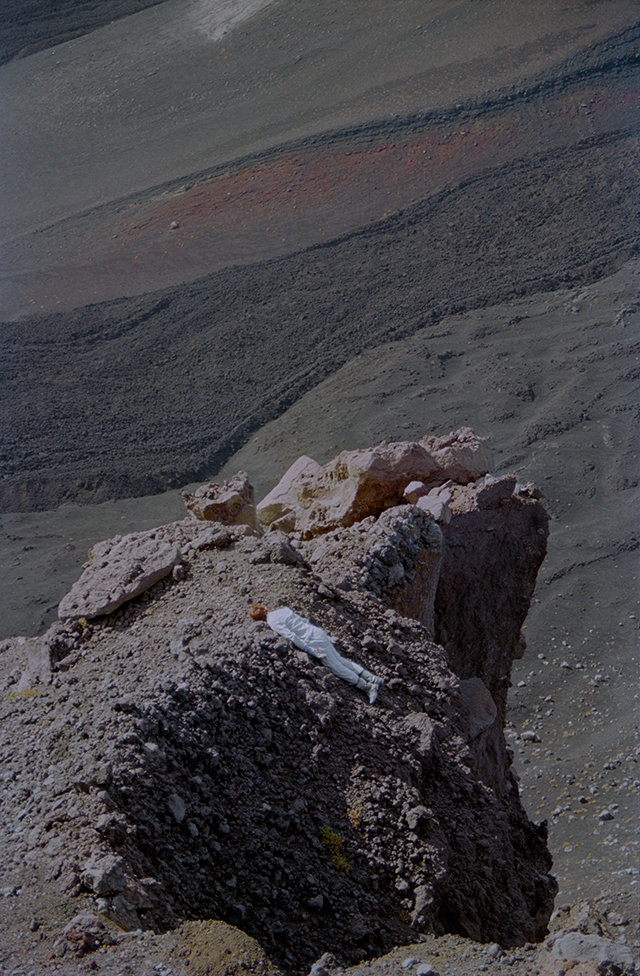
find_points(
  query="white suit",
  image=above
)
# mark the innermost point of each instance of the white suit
(314, 640)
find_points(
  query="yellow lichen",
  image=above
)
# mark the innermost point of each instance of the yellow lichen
(23, 694)
(354, 814)
(334, 843)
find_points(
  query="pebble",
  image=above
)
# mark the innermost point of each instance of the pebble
(177, 807)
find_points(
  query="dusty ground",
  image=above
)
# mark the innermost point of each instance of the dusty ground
(497, 159)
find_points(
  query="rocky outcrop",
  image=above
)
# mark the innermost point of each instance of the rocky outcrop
(468, 579)
(235, 777)
(357, 484)
(397, 557)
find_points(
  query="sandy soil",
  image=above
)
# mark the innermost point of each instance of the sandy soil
(483, 182)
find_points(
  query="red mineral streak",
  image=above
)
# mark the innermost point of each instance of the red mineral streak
(287, 201)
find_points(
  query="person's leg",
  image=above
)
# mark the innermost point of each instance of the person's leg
(349, 671)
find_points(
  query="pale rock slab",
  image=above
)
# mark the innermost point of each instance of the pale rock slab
(282, 500)
(118, 570)
(576, 945)
(436, 503)
(121, 568)
(38, 670)
(414, 491)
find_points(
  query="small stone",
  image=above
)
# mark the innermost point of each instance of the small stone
(83, 932)
(605, 815)
(324, 966)
(425, 969)
(617, 919)
(177, 807)
(105, 875)
(530, 737)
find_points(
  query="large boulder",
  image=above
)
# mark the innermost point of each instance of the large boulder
(357, 484)
(462, 454)
(281, 500)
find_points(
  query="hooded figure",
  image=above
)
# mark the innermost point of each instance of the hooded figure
(314, 640)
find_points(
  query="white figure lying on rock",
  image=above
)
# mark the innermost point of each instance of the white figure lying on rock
(314, 640)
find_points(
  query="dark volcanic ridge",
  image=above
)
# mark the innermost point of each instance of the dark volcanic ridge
(33, 25)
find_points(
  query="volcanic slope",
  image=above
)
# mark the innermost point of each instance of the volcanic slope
(147, 393)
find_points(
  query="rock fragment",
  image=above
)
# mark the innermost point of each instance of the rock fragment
(576, 945)
(479, 704)
(105, 875)
(121, 568)
(230, 504)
